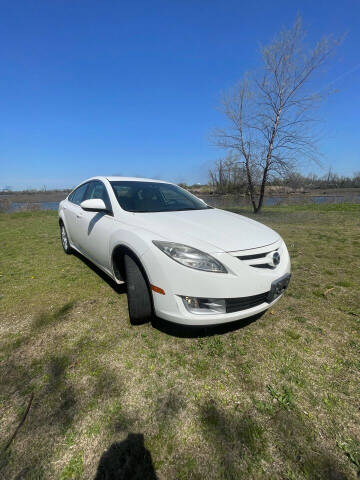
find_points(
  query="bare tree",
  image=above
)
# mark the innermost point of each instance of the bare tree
(228, 175)
(269, 113)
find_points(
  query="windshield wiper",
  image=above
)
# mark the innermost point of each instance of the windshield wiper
(182, 209)
(165, 210)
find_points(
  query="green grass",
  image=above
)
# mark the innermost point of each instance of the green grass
(276, 398)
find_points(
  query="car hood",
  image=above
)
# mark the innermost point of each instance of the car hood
(217, 229)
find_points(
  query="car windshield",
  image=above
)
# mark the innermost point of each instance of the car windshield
(154, 197)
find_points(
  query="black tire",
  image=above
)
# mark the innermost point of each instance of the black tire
(65, 239)
(138, 293)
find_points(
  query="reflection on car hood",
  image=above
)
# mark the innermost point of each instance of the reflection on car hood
(216, 229)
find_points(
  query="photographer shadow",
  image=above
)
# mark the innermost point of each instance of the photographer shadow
(126, 460)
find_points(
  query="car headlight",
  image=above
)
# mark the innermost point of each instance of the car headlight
(190, 257)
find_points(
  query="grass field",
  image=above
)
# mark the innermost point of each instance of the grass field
(275, 398)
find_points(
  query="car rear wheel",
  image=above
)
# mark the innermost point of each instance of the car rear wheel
(64, 239)
(138, 294)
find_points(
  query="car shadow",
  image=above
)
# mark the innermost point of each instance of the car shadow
(187, 331)
(115, 286)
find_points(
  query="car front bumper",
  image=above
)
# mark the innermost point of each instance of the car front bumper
(242, 281)
(182, 316)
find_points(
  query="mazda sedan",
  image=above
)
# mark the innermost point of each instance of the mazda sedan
(181, 259)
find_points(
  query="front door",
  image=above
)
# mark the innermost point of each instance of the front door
(95, 228)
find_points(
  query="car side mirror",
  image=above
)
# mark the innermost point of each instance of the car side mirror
(94, 205)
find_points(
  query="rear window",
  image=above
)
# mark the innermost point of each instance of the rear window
(77, 195)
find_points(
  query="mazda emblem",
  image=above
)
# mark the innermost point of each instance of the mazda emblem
(276, 258)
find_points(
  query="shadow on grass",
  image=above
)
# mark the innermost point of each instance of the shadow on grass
(239, 439)
(40, 322)
(127, 460)
(115, 286)
(168, 406)
(188, 331)
(58, 399)
(303, 449)
(45, 319)
(234, 437)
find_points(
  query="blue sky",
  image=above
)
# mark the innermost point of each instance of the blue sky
(131, 88)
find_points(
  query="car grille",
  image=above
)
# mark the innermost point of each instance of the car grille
(263, 265)
(243, 303)
(257, 260)
(252, 257)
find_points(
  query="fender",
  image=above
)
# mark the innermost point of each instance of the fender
(127, 239)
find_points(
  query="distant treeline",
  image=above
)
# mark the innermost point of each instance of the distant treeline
(312, 181)
(32, 191)
(228, 176)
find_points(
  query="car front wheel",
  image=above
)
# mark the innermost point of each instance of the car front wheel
(138, 294)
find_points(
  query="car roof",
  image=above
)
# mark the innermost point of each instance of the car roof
(134, 179)
(125, 179)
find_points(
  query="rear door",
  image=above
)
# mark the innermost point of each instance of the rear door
(73, 213)
(95, 228)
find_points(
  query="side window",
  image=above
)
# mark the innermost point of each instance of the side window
(98, 190)
(78, 195)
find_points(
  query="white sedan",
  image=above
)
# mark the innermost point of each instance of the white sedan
(181, 259)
